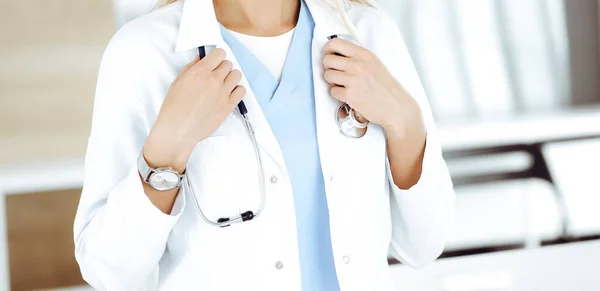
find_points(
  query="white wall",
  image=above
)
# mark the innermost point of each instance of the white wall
(126, 10)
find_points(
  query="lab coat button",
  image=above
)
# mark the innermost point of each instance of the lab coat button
(330, 178)
(274, 179)
(279, 265)
(346, 259)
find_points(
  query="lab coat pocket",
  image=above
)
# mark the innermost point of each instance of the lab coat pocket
(218, 172)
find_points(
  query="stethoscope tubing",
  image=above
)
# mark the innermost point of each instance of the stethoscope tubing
(348, 125)
(248, 215)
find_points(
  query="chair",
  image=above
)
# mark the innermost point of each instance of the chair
(575, 166)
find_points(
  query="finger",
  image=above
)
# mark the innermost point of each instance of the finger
(343, 47)
(212, 60)
(186, 68)
(334, 77)
(237, 94)
(232, 80)
(190, 64)
(339, 93)
(223, 69)
(339, 63)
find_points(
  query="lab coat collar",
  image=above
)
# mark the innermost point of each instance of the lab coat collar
(327, 19)
(199, 25)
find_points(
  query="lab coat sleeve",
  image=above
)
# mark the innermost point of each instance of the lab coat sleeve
(120, 236)
(421, 215)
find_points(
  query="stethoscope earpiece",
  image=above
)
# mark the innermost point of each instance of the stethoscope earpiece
(346, 37)
(246, 216)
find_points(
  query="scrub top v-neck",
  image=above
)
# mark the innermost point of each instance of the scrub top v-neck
(271, 51)
(289, 106)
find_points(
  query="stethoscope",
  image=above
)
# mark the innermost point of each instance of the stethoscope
(350, 123)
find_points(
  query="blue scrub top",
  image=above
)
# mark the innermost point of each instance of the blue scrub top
(289, 107)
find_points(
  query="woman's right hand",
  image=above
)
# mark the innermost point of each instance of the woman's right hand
(199, 100)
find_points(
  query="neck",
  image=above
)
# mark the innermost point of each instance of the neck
(258, 17)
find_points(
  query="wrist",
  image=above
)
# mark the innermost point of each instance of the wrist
(394, 129)
(161, 154)
(405, 129)
(404, 122)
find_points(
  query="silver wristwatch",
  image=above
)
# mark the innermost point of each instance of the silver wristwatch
(161, 179)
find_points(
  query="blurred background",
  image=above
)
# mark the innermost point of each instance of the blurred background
(514, 86)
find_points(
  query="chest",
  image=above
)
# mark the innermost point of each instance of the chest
(296, 114)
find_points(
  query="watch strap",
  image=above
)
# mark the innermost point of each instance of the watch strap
(146, 171)
(143, 168)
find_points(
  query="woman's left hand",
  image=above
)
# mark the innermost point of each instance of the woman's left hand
(359, 78)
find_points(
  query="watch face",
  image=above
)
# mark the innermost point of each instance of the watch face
(164, 180)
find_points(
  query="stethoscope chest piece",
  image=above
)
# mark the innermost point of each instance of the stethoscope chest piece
(351, 124)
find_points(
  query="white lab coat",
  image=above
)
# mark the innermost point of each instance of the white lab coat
(123, 242)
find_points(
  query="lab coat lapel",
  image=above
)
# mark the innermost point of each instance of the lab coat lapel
(264, 134)
(327, 23)
(199, 27)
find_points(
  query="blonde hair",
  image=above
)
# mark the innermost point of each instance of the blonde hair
(337, 4)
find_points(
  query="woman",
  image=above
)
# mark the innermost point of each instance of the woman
(320, 210)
